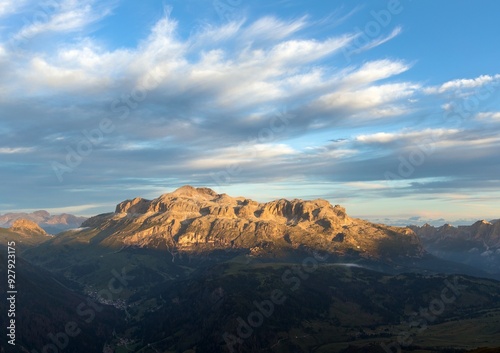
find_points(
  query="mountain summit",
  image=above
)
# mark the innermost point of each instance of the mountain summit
(199, 220)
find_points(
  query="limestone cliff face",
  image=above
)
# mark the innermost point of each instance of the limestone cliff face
(199, 219)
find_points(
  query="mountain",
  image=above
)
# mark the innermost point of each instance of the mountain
(24, 233)
(175, 234)
(200, 220)
(197, 225)
(475, 245)
(52, 224)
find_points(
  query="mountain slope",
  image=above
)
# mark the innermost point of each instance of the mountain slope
(476, 245)
(45, 304)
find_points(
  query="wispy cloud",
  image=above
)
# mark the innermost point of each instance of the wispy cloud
(411, 137)
(15, 150)
(493, 116)
(462, 84)
(8, 7)
(66, 16)
(380, 40)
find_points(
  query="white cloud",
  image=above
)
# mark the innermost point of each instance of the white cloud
(467, 145)
(366, 185)
(373, 100)
(68, 16)
(272, 28)
(237, 156)
(461, 84)
(408, 136)
(215, 34)
(16, 150)
(379, 41)
(374, 71)
(8, 7)
(495, 116)
(304, 51)
(45, 75)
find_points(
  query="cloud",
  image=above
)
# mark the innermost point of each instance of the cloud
(9, 7)
(241, 156)
(364, 43)
(370, 102)
(408, 136)
(464, 84)
(375, 71)
(45, 75)
(493, 116)
(15, 150)
(379, 41)
(271, 28)
(66, 16)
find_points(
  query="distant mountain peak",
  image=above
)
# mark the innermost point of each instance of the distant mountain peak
(42, 213)
(27, 227)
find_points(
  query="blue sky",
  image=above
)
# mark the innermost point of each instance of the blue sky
(389, 108)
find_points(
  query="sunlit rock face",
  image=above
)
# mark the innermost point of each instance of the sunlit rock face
(199, 219)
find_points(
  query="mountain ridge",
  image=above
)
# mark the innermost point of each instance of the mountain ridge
(477, 244)
(199, 219)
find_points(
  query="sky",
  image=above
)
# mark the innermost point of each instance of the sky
(389, 108)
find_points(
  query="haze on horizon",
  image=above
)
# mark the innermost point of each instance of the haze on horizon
(389, 108)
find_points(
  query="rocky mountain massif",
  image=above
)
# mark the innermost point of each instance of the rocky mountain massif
(198, 219)
(52, 224)
(476, 245)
